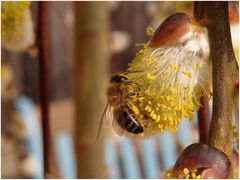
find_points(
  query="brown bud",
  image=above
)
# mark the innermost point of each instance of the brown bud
(207, 161)
(233, 13)
(174, 27)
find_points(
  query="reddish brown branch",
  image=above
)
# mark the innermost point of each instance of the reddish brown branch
(203, 113)
(44, 84)
(203, 120)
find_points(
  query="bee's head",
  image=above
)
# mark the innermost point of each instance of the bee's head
(119, 78)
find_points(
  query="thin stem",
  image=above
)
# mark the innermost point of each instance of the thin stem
(203, 113)
(203, 120)
(44, 86)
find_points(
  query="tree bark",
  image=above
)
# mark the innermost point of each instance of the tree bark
(90, 70)
(224, 69)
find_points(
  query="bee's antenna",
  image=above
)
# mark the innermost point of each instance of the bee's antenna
(101, 121)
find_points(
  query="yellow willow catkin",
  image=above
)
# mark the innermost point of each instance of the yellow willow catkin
(17, 25)
(171, 80)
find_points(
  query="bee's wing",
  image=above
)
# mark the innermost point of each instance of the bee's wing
(105, 121)
(118, 129)
(108, 117)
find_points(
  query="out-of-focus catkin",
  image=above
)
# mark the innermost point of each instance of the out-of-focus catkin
(17, 26)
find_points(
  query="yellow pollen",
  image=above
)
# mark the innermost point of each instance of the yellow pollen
(173, 67)
(149, 109)
(165, 74)
(194, 175)
(198, 177)
(149, 30)
(154, 116)
(172, 89)
(146, 108)
(150, 76)
(162, 98)
(200, 65)
(168, 98)
(168, 175)
(135, 110)
(164, 117)
(189, 74)
(186, 171)
(152, 113)
(195, 66)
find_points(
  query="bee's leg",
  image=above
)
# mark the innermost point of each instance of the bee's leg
(128, 82)
(129, 105)
(131, 95)
(135, 86)
(133, 108)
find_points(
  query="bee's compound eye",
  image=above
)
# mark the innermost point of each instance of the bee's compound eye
(119, 78)
(124, 79)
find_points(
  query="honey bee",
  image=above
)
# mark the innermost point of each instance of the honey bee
(120, 109)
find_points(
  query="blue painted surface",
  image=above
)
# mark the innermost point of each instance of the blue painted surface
(130, 165)
(111, 159)
(184, 133)
(150, 158)
(195, 118)
(26, 108)
(65, 154)
(168, 149)
(131, 168)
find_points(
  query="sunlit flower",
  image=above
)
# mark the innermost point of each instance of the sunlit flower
(172, 72)
(17, 25)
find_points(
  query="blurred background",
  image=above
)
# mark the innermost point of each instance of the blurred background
(87, 42)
